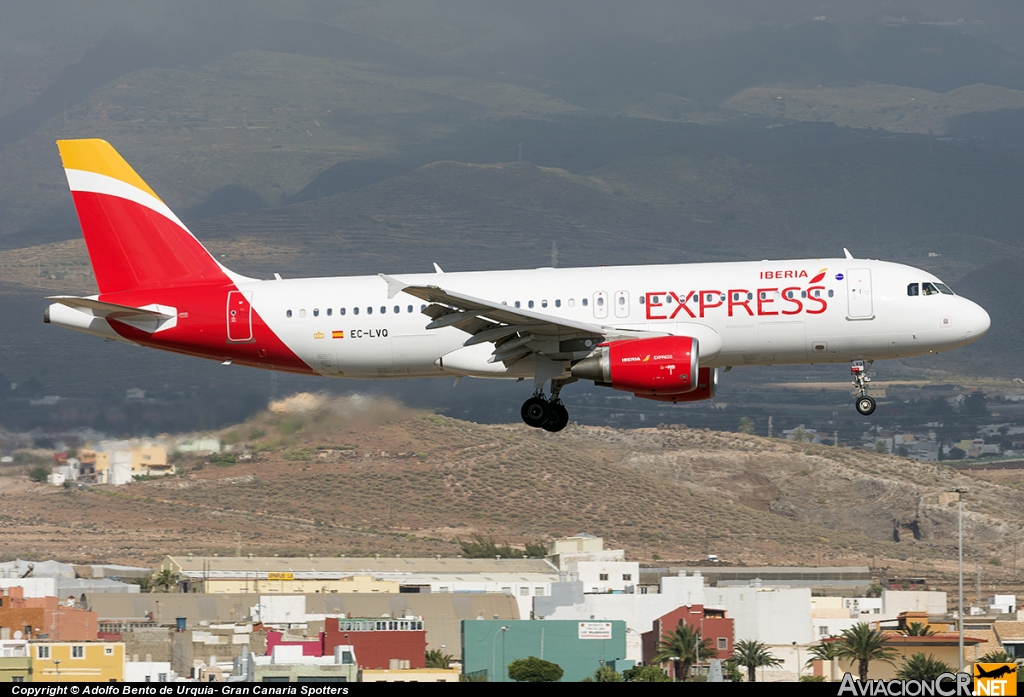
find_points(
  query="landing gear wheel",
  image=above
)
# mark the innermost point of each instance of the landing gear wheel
(865, 405)
(558, 419)
(536, 411)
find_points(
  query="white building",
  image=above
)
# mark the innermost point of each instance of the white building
(523, 586)
(1004, 604)
(770, 615)
(13, 648)
(895, 602)
(287, 662)
(32, 587)
(864, 606)
(569, 601)
(149, 671)
(606, 576)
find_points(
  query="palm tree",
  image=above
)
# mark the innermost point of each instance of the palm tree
(919, 667)
(996, 657)
(754, 655)
(435, 658)
(683, 646)
(863, 644)
(825, 651)
(166, 579)
(917, 629)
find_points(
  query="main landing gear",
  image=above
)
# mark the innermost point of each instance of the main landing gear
(865, 405)
(549, 414)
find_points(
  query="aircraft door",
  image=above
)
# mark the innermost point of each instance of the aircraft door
(622, 303)
(600, 305)
(858, 292)
(239, 317)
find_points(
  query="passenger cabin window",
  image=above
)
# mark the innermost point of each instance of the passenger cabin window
(369, 310)
(316, 311)
(383, 310)
(530, 304)
(622, 301)
(584, 302)
(355, 310)
(288, 313)
(341, 311)
(330, 311)
(600, 301)
(397, 309)
(302, 313)
(912, 289)
(517, 303)
(558, 303)
(543, 303)
(410, 309)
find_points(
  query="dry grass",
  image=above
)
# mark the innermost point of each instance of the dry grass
(362, 475)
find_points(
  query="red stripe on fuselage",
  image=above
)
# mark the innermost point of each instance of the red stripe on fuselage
(201, 329)
(133, 247)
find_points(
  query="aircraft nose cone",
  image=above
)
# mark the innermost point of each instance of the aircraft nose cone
(978, 323)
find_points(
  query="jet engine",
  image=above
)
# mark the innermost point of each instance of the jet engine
(655, 367)
(707, 387)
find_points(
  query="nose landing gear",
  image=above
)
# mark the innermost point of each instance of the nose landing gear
(865, 405)
(549, 414)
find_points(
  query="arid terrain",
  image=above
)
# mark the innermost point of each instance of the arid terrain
(360, 476)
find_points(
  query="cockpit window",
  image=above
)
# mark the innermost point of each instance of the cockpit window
(944, 289)
(913, 289)
(929, 289)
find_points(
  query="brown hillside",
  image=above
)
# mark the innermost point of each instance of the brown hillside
(360, 476)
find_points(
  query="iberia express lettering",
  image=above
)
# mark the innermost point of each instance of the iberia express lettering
(763, 302)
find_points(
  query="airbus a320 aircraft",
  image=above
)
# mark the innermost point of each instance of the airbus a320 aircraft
(659, 332)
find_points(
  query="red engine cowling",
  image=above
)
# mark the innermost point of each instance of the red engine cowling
(660, 366)
(707, 387)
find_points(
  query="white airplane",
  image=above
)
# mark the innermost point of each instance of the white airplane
(660, 332)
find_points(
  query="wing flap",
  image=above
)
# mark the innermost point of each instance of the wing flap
(515, 332)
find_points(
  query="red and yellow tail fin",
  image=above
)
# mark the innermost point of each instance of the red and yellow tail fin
(134, 240)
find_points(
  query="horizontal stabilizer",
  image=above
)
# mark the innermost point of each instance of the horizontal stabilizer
(110, 310)
(150, 319)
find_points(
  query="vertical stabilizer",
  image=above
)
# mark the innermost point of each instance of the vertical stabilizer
(134, 240)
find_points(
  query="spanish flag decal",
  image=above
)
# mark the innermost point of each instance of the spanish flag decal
(338, 335)
(821, 275)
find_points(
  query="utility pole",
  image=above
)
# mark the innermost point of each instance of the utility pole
(978, 569)
(960, 601)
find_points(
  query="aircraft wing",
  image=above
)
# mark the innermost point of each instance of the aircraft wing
(515, 332)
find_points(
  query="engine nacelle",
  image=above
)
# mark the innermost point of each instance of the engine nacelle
(707, 388)
(663, 365)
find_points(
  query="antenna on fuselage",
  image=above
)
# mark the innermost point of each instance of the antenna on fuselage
(847, 253)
